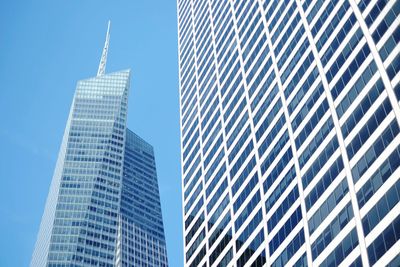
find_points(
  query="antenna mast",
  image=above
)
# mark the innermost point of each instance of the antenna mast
(103, 60)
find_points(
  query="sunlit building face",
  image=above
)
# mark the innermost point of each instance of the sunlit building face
(290, 132)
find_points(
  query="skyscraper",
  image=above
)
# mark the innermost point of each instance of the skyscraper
(103, 208)
(290, 132)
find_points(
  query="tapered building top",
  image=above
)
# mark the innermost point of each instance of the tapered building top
(103, 60)
(103, 204)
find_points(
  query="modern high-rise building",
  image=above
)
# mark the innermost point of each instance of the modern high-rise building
(290, 132)
(103, 208)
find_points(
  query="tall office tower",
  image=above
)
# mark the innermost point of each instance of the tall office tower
(290, 132)
(103, 208)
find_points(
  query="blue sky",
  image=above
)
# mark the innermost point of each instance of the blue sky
(45, 48)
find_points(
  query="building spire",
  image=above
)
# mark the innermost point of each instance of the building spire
(103, 60)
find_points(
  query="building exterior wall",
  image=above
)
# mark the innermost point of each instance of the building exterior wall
(290, 132)
(88, 201)
(143, 241)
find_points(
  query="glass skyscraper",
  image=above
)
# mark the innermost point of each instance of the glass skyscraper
(290, 132)
(103, 208)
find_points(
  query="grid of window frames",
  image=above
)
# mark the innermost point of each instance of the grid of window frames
(86, 218)
(140, 221)
(294, 106)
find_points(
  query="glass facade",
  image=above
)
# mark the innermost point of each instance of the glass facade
(103, 208)
(141, 230)
(290, 132)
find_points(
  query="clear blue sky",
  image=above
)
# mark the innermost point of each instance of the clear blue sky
(45, 47)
